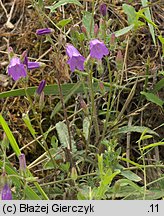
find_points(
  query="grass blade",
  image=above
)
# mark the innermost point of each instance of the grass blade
(10, 136)
(147, 13)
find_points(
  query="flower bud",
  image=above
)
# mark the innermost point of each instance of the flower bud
(33, 65)
(83, 29)
(10, 53)
(101, 85)
(83, 105)
(24, 58)
(5, 141)
(41, 87)
(112, 41)
(119, 60)
(74, 173)
(44, 31)
(41, 101)
(103, 9)
(96, 30)
(22, 163)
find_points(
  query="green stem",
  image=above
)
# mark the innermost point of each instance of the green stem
(40, 127)
(93, 108)
(65, 115)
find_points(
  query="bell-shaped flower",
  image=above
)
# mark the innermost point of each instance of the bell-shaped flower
(16, 68)
(6, 193)
(76, 60)
(98, 49)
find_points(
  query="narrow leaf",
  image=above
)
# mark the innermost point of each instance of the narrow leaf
(63, 134)
(10, 136)
(138, 129)
(27, 121)
(86, 126)
(153, 98)
(148, 16)
(88, 23)
(64, 2)
(130, 12)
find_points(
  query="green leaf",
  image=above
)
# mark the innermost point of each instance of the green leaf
(105, 183)
(124, 30)
(27, 121)
(64, 22)
(153, 98)
(30, 193)
(63, 135)
(159, 85)
(130, 12)
(54, 142)
(138, 129)
(130, 175)
(161, 39)
(88, 23)
(49, 165)
(148, 16)
(129, 182)
(146, 137)
(10, 136)
(48, 90)
(153, 145)
(86, 126)
(64, 2)
(10, 170)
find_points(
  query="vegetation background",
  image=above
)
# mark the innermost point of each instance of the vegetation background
(93, 134)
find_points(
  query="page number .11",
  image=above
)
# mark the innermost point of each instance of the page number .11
(153, 208)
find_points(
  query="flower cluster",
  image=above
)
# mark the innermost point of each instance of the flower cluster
(76, 60)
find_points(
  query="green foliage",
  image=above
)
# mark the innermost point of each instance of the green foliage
(63, 22)
(148, 16)
(138, 129)
(105, 161)
(88, 23)
(27, 121)
(153, 98)
(10, 136)
(63, 135)
(63, 2)
(133, 18)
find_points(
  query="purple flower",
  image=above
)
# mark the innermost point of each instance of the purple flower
(41, 87)
(16, 69)
(22, 162)
(30, 65)
(76, 60)
(103, 9)
(6, 193)
(44, 31)
(98, 49)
